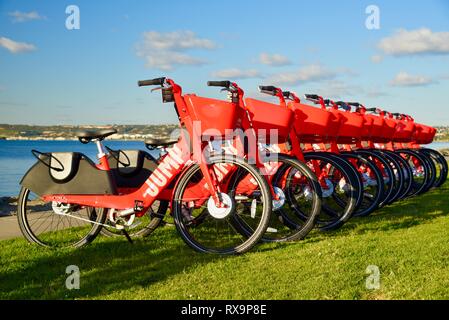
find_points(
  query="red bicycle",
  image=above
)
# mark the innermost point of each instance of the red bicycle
(338, 183)
(65, 198)
(292, 183)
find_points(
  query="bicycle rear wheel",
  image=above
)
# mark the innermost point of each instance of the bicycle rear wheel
(407, 175)
(56, 225)
(373, 187)
(398, 175)
(440, 164)
(339, 189)
(299, 204)
(144, 226)
(387, 172)
(420, 170)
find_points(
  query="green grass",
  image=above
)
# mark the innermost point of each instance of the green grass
(408, 241)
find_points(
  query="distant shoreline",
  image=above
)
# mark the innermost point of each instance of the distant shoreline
(110, 139)
(69, 132)
(68, 139)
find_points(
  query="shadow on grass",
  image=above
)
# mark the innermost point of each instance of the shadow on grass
(403, 214)
(105, 267)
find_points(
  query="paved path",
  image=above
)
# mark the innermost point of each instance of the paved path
(9, 228)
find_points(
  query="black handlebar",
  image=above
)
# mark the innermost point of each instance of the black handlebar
(343, 105)
(223, 84)
(267, 88)
(152, 82)
(312, 96)
(271, 90)
(287, 94)
(354, 104)
(372, 110)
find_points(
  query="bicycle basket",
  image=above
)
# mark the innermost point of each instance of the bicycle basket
(351, 128)
(216, 116)
(312, 125)
(268, 116)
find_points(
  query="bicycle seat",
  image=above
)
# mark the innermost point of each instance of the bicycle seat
(91, 134)
(159, 142)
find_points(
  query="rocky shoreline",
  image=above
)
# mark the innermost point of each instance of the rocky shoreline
(8, 206)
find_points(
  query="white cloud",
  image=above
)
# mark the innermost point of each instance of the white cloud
(176, 41)
(276, 60)
(18, 16)
(235, 73)
(377, 59)
(341, 90)
(336, 89)
(314, 72)
(403, 79)
(414, 42)
(16, 47)
(164, 51)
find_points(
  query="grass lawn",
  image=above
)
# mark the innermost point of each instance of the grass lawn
(408, 241)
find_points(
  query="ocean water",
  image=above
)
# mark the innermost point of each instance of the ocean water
(438, 145)
(16, 157)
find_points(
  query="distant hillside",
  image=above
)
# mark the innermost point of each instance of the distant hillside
(442, 133)
(125, 132)
(67, 132)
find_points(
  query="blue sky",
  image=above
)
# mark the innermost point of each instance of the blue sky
(51, 75)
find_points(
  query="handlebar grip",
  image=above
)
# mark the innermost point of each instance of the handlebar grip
(152, 82)
(271, 90)
(354, 104)
(223, 84)
(268, 88)
(371, 109)
(343, 105)
(312, 96)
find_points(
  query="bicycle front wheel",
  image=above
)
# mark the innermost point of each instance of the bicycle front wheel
(209, 229)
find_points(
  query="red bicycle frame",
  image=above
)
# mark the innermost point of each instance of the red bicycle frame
(177, 159)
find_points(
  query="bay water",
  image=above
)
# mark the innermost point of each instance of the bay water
(16, 157)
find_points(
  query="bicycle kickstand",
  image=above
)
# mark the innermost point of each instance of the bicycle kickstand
(126, 234)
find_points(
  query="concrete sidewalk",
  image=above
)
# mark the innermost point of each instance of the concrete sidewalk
(9, 228)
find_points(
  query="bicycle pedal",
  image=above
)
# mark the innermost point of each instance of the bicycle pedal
(138, 206)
